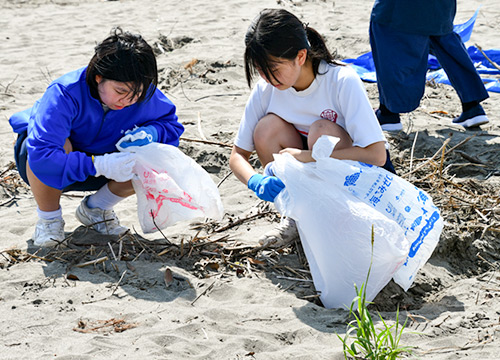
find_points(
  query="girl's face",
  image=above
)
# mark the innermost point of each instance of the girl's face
(115, 94)
(287, 73)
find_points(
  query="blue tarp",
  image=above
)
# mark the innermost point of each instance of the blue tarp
(365, 67)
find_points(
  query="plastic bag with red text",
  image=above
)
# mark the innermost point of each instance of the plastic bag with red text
(171, 187)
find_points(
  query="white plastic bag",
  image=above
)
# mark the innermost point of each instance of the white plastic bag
(336, 202)
(170, 187)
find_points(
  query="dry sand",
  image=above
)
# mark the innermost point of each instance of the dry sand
(236, 306)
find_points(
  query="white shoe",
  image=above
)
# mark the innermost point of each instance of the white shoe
(48, 233)
(472, 117)
(283, 234)
(103, 221)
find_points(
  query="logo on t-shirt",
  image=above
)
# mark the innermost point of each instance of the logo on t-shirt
(329, 114)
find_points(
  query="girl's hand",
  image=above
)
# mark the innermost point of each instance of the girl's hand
(301, 155)
(118, 166)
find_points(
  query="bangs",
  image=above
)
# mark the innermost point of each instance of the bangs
(125, 68)
(257, 58)
(137, 89)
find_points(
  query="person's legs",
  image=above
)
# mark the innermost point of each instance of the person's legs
(400, 61)
(273, 134)
(456, 62)
(96, 211)
(49, 230)
(46, 197)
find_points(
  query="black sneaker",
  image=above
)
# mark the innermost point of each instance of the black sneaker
(389, 122)
(472, 117)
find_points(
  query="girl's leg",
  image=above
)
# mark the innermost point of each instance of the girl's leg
(273, 134)
(97, 212)
(326, 127)
(49, 230)
(47, 198)
(109, 195)
(124, 189)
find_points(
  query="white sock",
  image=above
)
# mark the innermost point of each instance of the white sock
(49, 215)
(103, 199)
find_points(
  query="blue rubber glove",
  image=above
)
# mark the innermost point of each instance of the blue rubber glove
(265, 187)
(138, 137)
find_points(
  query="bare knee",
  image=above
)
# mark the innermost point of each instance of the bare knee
(268, 128)
(273, 134)
(326, 127)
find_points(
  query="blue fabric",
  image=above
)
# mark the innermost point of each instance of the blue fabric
(465, 29)
(365, 68)
(67, 110)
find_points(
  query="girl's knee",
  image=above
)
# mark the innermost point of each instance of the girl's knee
(272, 134)
(272, 128)
(267, 125)
(327, 127)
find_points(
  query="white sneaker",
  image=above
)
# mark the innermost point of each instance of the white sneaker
(472, 117)
(103, 221)
(283, 234)
(48, 233)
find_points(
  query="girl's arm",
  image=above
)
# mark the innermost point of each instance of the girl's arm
(240, 165)
(373, 154)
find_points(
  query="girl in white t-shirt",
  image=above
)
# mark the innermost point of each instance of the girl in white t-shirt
(303, 93)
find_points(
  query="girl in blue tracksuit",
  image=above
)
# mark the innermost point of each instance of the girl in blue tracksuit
(67, 140)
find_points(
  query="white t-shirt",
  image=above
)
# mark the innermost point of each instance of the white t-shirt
(336, 94)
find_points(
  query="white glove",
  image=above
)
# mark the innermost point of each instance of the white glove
(116, 166)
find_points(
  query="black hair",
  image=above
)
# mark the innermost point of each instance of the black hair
(280, 34)
(124, 57)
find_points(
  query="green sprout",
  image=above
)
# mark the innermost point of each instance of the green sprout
(366, 341)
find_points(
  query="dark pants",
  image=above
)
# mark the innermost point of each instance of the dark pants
(21, 156)
(401, 58)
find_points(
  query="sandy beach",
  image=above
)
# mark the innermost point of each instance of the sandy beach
(204, 289)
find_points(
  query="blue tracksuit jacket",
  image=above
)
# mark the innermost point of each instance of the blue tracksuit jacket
(67, 110)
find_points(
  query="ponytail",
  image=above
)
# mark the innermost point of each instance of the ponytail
(318, 50)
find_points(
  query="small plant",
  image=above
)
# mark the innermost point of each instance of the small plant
(369, 342)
